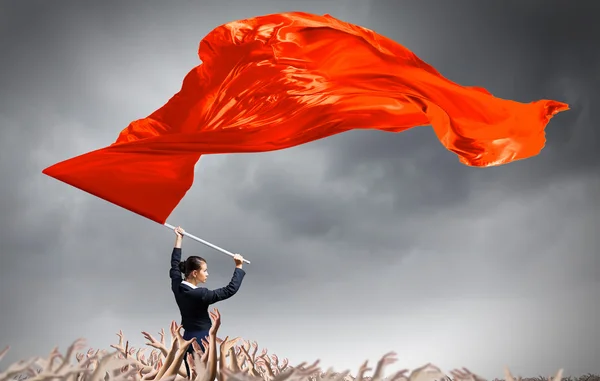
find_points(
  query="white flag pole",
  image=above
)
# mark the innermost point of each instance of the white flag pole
(204, 242)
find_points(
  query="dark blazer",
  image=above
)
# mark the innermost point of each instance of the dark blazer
(194, 302)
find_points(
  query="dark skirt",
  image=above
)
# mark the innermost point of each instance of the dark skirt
(199, 335)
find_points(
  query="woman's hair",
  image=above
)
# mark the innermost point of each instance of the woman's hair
(191, 264)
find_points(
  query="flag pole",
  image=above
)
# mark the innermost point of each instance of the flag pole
(204, 242)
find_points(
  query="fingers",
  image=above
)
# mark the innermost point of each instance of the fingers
(364, 368)
(216, 316)
(197, 348)
(399, 375)
(205, 343)
(173, 327)
(388, 358)
(187, 343)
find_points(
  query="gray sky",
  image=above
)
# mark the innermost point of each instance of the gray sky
(361, 243)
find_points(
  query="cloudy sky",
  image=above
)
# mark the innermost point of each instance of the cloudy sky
(360, 244)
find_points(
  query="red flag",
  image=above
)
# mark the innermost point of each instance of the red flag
(282, 80)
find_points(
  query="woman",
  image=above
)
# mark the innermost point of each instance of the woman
(193, 301)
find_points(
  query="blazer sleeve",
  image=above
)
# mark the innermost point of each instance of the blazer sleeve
(174, 272)
(207, 296)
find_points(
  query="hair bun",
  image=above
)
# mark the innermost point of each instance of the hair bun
(182, 267)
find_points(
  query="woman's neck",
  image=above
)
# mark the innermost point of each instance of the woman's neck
(192, 281)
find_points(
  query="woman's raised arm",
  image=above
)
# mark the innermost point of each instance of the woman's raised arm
(175, 272)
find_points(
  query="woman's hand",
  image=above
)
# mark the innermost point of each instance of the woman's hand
(239, 261)
(179, 233)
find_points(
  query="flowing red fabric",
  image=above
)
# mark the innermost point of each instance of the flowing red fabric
(281, 80)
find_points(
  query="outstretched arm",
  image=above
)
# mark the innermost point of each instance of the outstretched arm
(212, 296)
(174, 272)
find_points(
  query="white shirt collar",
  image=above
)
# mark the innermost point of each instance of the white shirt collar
(189, 284)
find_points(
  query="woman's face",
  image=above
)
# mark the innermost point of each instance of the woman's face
(202, 274)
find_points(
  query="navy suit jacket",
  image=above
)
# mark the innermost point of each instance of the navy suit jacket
(194, 302)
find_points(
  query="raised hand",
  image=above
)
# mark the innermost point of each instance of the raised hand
(197, 350)
(228, 344)
(227, 348)
(140, 356)
(179, 237)
(119, 347)
(183, 344)
(211, 362)
(509, 377)
(284, 364)
(301, 371)
(206, 345)
(264, 363)
(465, 374)
(102, 352)
(152, 342)
(171, 354)
(262, 354)
(78, 345)
(177, 353)
(215, 316)
(154, 357)
(275, 360)
(250, 367)
(362, 370)
(330, 375)
(387, 359)
(247, 345)
(55, 355)
(254, 346)
(239, 260)
(174, 331)
(398, 376)
(64, 370)
(427, 372)
(192, 364)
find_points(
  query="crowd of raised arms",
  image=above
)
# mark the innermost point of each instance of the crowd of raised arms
(198, 354)
(223, 360)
